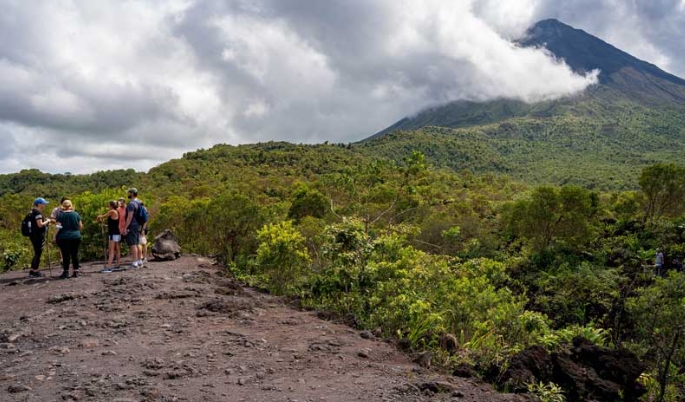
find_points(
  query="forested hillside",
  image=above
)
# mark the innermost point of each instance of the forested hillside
(599, 152)
(422, 253)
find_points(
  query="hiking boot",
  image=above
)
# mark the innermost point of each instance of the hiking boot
(65, 275)
(75, 274)
(35, 274)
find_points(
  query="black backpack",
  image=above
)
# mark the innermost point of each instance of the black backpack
(26, 224)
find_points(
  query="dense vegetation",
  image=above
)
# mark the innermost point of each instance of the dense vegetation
(605, 150)
(417, 251)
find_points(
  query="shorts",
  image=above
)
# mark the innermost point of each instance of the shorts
(115, 238)
(133, 238)
(143, 240)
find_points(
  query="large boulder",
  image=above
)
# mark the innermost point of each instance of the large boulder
(531, 365)
(586, 372)
(591, 371)
(166, 246)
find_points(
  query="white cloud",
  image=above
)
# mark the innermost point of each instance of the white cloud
(110, 83)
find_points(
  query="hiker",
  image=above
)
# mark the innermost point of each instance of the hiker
(53, 217)
(144, 230)
(132, 227)
(122, 214)
(659, 262)
(68, 238)
(113, 236)
(38, 226)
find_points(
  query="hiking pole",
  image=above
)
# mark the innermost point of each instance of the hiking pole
(47, 242)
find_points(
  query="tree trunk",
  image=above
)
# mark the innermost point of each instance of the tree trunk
(663, 380)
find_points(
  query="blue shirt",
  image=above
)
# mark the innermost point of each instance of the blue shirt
(132, 210)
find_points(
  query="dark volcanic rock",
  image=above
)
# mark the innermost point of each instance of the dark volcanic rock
(586, 372)
(532, 364)
(166, 246)
(464, 371)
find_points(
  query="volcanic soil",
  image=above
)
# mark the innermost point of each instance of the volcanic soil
(179, 331)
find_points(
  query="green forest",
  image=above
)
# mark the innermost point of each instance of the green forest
(493, 248)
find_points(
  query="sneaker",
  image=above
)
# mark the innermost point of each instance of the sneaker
(35, 274)
(65, 275)
(134, 265)
(107, 270)
(75, 274)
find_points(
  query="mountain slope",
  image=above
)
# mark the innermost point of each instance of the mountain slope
(602, 138)
(624, 80)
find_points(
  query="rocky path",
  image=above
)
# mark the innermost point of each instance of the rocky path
(176, 331)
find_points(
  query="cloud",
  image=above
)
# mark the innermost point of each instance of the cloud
(95, 85)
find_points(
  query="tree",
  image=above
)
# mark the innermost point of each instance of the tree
(282, 256)
(234, 220)
(308, 202)
(553, 215)
(664, 188)
(659, 312)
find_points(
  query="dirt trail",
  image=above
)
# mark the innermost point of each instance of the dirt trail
(176, 331)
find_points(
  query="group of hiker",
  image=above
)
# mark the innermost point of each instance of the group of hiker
(124, 221)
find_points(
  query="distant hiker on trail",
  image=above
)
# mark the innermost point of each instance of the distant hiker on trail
(68, 238)
(37, 227)
(659, 262)
(113, 236)
(132, 227)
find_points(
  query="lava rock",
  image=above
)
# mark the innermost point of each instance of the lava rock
(166, 246)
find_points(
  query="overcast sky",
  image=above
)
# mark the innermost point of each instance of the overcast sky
(91, 85)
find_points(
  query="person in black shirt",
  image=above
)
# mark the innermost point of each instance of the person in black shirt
(113, 235)
(39, 226)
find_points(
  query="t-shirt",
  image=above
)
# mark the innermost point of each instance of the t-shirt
(132, 210)
(122, 219)
(659, 259)
(56, 212)
(36, 231)
(69, 221)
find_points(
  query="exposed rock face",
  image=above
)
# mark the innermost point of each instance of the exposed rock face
(166, 246)
(532, 364)
(585, 371)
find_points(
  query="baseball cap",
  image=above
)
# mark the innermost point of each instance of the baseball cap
(39, 201)
(133, 190)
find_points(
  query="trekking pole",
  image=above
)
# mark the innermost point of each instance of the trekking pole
(47, 242)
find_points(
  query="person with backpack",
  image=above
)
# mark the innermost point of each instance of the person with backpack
(35, 226)
(113, 236)
(68, 238)
(132, 227)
